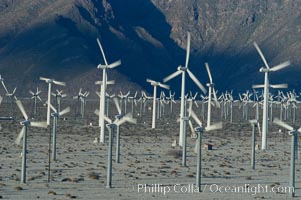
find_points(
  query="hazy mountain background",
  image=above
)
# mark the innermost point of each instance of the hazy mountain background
(57, 38)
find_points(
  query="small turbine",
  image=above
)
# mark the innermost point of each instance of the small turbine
(23, 134)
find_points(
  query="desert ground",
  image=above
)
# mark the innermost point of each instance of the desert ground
(147, 158)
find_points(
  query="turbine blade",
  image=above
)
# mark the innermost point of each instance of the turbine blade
(253, 121)
(191, 127)
(196, 81)
(52, 107)
(130, 119)
(39, 124)
(261, 55)
(65, 111)
(120, 121)
(18, 139)
(114, 64)
(150, 81)
(39, 98)
(108, 120)
(279, 86)
(214, 126)
(171, 76)
(257, 86)
(282, 124)
(164, 86)
(196, 119)
(102, 52)
(187, 50)
(21, 108)
(96, 112)
(31, 92)
(217, 104)
(110, 82)
(209, 73)
(59, 83)
(44, 79)
(117, 105)
(280, 66)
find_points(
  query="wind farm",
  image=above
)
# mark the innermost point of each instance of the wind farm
(177, 132)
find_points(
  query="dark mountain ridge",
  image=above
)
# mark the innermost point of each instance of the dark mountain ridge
(58, 39)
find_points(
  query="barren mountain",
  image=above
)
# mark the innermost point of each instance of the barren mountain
(57, 38)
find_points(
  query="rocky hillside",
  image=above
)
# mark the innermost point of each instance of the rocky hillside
(58, 38)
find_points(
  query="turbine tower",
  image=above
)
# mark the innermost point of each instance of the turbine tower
(102, 103)
(183, 70)
(211, 89)
(266, 86)
(155, 84)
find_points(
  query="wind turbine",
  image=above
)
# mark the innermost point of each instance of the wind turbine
(58, 96)
(50, 82)
(133, 100)
(101, 115)
(55, 115)
(171, 100)
(211, 89)
(35, 96)
(266, 70)
(23, 134)
(124, 98)
(183, 70)
(155, 84)
(254, 123)
(200, 130)
(102, 103)
(294, 148)
(119, 119)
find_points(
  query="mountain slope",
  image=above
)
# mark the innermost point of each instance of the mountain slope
(58, 39)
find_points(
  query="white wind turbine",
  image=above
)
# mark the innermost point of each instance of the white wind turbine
(119, 119)
(123, 100)
(100, 120)
(102, 103)
(182, 70)
(58, 96)
(35, 96)
(155, 84)
(266, 70)
(55, 115)
(211, 89)
(200, 130)
(50, 81)
(23, 134)
(294, 149)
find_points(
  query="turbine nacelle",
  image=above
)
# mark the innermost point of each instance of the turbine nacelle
(185, 118)
(263, 69)
(210, 84)
(102, 66)
(112, 125)
(55, 114)
(180, 68)
(199, 129)
(118, 116)
(25, 123)
(293, 132)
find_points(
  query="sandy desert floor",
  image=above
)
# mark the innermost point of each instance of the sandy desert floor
(147, 158)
